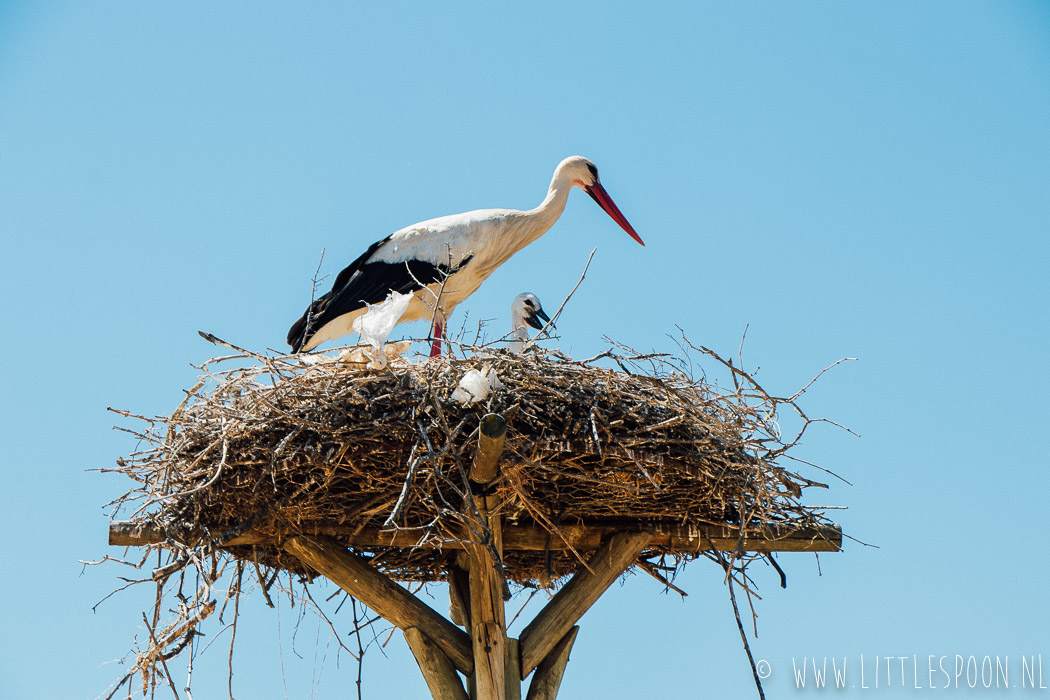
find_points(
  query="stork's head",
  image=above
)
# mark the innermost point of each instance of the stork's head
(526, 309)
(582, 173)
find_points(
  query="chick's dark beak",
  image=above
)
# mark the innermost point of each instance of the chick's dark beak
(537, 319)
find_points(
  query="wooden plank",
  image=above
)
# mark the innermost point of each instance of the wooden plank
(358, 578)
(585, 537)
(491, 435)
(572, 601)
(547, 680)
(437, 670)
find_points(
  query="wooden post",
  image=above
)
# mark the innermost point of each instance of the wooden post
(358, 578)
(437, 670)
(488, 625)
(572, 601)
(492, 433)
(547, 681)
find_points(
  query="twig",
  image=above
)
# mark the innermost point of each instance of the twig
(648, 568)
(801, 391)
(544, 332)
(219, 341)
(313, 295)
(360, 649)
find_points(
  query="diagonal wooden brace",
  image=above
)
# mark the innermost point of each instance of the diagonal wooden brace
(437, 670)
(547, 681)
(572, 601)
(361, 580)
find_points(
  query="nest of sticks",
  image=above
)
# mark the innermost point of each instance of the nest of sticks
(279, 446)
(304, 445)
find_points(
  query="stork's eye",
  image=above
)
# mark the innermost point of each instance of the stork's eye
(594, 170)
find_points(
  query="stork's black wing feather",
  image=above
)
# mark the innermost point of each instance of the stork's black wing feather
(361, 283)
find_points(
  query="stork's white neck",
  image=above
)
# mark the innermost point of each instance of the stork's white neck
(520, 228)
(517, 323)
(518, 338)
(557, 195)
(546, 214)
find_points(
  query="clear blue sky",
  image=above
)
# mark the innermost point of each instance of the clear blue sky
(848, 179)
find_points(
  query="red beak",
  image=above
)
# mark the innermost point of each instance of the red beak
(599, 195)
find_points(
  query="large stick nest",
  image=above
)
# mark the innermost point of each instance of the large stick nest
(299, 444)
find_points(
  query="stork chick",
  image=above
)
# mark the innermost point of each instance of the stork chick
(525, 310)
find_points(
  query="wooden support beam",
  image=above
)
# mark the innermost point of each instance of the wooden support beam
(492, 434)
(437, 670)
(512, 671)
(358, 578)
(459, 592)
(488, 623)
(547, 681)
(572, 601)
(583, 537)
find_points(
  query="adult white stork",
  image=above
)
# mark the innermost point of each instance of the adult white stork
(525, 310)
(443, 261)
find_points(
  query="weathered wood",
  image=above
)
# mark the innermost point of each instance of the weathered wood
(492, 434)
(437, 670)
(488, 625)
(572, 601)
(358, 578)
(490, 652)
(459, 594)
(584, 537)
(547, 680)
(487, 618)
(512, 671)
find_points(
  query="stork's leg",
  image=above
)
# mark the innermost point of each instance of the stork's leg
(436, 334)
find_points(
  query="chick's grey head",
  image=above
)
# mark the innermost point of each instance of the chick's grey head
(526, 309)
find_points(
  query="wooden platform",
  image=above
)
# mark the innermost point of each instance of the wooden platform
(475, 642)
